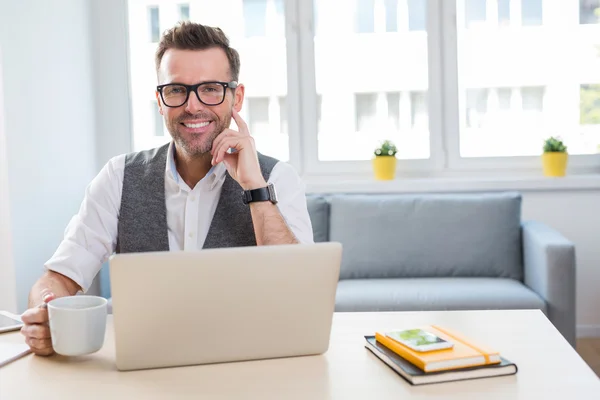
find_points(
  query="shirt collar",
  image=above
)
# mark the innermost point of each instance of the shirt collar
(214, 175)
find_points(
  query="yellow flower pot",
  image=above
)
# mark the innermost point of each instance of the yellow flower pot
(554, 163)
(384, 167)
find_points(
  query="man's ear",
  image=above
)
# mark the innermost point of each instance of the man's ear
(238, 99)
(160, 110)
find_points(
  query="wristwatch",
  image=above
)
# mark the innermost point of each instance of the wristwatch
(261, 194)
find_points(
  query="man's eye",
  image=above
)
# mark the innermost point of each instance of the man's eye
(174, 90)
(211, 89)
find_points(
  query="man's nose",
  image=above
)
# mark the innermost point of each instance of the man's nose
(193, 104)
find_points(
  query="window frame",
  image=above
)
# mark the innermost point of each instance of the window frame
(578, 164)
(300, 23)
(443, 106)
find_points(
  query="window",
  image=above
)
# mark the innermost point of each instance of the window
(477, 100)
(255, 17)
(158, 120)
(283, 120)
(262, 17)
(505, 75)
(533, 99)
(391, 15)
(503, 115)
(267, 122)
(184, 12)
(475, 12)
(417, 15)
(531, 12)
(504, 12)
(589, 11)
(154, 24)
(589, 105)
(419, 114)
(510, 98)
(393, 112)
(366, 80)
(589, 119)
(504, 99)
(399, 13)
(258, 118)
(319, 107)
(366, 112)
(365, 16)
(501, 13)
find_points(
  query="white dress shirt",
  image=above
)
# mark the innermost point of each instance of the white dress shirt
(91, 235)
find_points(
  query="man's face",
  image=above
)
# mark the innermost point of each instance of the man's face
(195, 125)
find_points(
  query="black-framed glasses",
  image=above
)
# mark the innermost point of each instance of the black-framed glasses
(209, 93)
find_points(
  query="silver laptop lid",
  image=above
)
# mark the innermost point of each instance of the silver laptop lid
(220, 305)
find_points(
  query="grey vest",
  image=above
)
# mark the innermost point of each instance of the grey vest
(142, 223)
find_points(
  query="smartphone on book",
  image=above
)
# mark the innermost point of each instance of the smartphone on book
(420, 340)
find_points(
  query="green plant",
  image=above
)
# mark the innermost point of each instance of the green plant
(387, 148)
(554, 145)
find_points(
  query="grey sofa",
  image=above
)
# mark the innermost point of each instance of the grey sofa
(446, 252)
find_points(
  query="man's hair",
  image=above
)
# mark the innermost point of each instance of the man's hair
(193, 36)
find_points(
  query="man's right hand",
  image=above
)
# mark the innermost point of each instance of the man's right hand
(36, 329)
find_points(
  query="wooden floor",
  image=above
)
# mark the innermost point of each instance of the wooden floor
(589, 350)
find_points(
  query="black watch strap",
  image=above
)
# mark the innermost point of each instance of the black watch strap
(261, 194)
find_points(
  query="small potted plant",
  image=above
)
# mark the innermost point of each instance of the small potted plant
(554, 159)
(384, 162)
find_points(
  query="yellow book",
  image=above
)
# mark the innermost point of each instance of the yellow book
(464, 354)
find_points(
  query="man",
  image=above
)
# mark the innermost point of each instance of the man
(208, 188)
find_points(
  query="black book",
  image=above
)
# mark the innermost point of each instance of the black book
(416, 376)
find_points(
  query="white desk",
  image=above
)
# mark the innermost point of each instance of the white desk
(549, 368)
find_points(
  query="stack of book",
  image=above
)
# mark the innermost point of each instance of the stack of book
(464, 360)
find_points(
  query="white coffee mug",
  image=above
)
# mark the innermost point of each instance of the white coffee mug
(77, 324)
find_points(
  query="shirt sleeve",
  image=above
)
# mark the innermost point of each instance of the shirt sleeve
(91, 235)
(292, 201)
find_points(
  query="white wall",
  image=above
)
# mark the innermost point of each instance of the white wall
(49, 124)
(575, 214)
(112, 92)
(8, 298)
(111, 79)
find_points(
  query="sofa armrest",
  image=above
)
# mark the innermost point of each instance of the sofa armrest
(549, 267)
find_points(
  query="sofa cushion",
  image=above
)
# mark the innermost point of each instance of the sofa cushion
(414, 294)
(318, 210)
(388, 236)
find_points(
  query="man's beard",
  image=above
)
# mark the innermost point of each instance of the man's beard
(192, 144)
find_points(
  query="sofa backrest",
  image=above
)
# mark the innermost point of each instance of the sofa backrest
(426, 235)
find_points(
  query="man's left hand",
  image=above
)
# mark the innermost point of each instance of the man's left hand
(242, 164)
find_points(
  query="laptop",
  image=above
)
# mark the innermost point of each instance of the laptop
(222, 305)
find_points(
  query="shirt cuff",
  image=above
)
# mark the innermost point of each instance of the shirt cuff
(76, 263)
